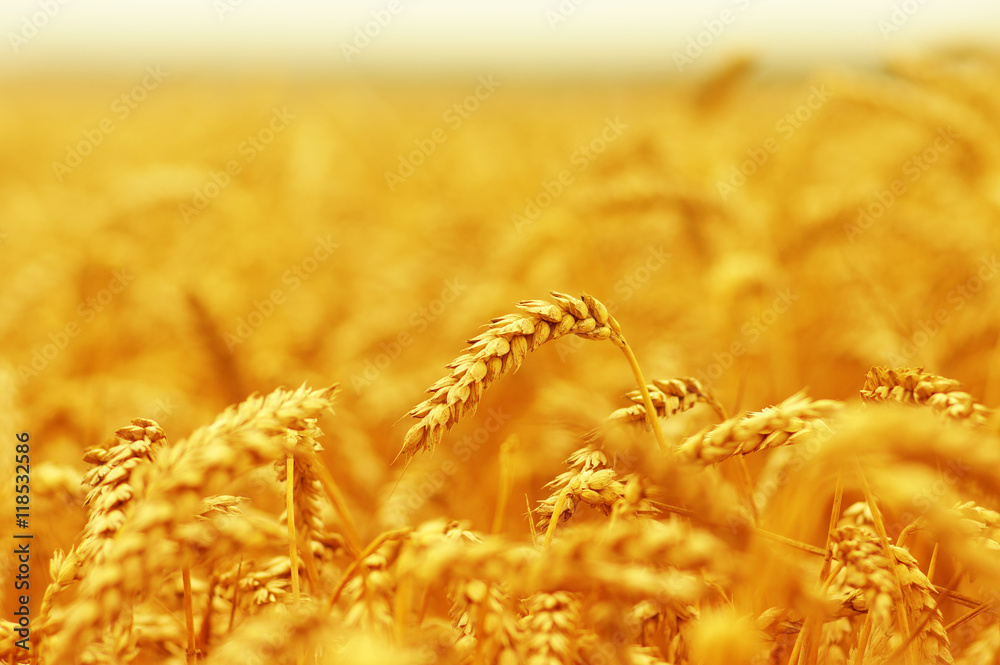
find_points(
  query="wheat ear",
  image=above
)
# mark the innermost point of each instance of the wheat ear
(550, 629)
(908, 385)
(304, 511)
(275, 632)
(247, 436)
(670, 397)
(782, 425)
(108, 500)
(500, 349)
(485, 618)
(592, 477)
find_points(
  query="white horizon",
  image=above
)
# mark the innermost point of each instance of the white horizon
(638, 37)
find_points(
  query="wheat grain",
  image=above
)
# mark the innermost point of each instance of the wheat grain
(931, 639)
(599, 488)
(867, 569)
(307, 490)
(593, 478)
(134, 446)
(659, 621)
(259, 584)
(630, 561)
(369, 596)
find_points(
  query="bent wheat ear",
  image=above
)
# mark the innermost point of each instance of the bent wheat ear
(785, 424)
(670, 397)
(502, 348)
(907, 385)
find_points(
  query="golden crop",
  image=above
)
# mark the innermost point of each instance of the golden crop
(803, 268)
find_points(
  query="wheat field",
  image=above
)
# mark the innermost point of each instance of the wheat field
(710, 368)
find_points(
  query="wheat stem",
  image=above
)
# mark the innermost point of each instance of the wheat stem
(338, 501)
(293, 548)
(933, 563)
(884, 540)
(236, 595)
(368, 551)
(654, 422)
(862, 646)
(507, 449)
(556, 512)
(838, 497)
(189, 615)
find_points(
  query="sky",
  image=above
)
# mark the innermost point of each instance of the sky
(452, 36)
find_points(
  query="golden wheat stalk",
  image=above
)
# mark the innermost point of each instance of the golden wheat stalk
(930, 636)
(629, 560)
(304, 487)
(500, 349)
(599, 488)
(369, 597)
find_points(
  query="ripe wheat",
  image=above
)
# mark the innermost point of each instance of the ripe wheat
(723, 541)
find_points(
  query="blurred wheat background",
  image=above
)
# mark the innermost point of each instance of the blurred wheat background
(172, 242)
